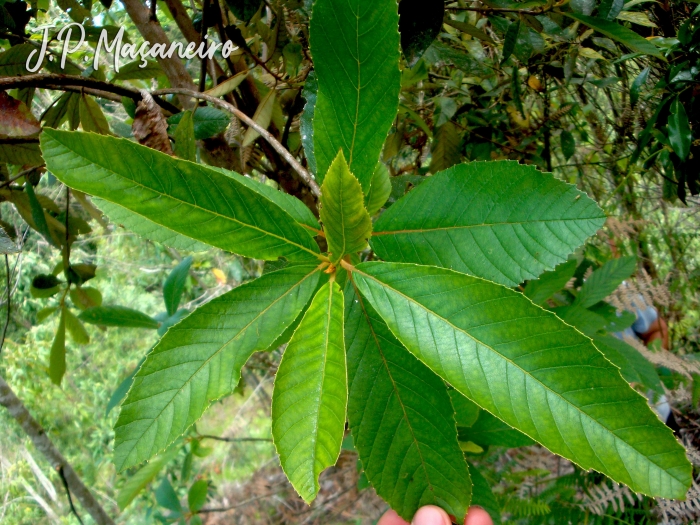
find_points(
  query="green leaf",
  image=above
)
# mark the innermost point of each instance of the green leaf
(679, 134)
(185, 197)
(76, 329)
(91, 116)
(148, 229)
(445, 148)
(633, 366)
(7, 245)
(197, 495)
(498, 220)
(532, 371)
(207, 122)
(306, 123)
(488, 430)
(310, 394)
(27, 154)
(637, 84)
(262, 117)
(138, 481)
(38, 214)
(44, 286)
(43, 314)
(356, 56)
(482, 495)
(133, 70)
(85, 297)
(13, 62)
(199, 360)
(185, 145)
(57, 359)
(345, 219)
(227, 86)
(466, 412)
(244, 9)
(510, 40)
(549, 283)
(167, 497)
(123, 388)
(568, 144)
(175, 284)
(619, 33)
(401, 420)
(419, 24)
(120, 316)
(379, 190)
(603, 281)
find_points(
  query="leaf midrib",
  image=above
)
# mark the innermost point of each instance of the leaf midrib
(481, 225)
(545, 387)
(216, 353)
(193, 205)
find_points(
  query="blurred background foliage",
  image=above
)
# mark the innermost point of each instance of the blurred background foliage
(603, 93)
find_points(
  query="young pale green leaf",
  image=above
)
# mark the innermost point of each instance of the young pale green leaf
(604, 280)
(379, 190)
(401, 419)
(120, 316)
(310, 394)
(185, 145)
(57, 358)
(175, 284)
(148, 229)
(528, 368)
(498, 220)
(549, 283)
(75, 328)
(345, 219)
(619, 33)
(262, 117)
(199, 360)
(355, 46)
(185, 197)
(679, 134)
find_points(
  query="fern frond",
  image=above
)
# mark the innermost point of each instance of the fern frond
(600, 498)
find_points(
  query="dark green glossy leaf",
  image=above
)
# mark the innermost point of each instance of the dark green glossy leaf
(120, 316)
(679, 133)
(511, 39)
(402, 420)
(244, 9)
(199, 360)
(167, 497)
(177, 194)
(310, 394)
(207, 122)
(175, 284)
(379, 190)
(633, 366)
(356, 56)
(498, 220)
(532, 371)
(568, 144)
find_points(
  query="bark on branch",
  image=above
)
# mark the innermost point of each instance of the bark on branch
(41, 441)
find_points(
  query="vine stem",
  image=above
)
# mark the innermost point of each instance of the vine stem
(284, 153)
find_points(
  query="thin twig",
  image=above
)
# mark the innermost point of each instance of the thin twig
(284, 153)
(70, 499)
(20, 175)
(233, 440)
(7, 318)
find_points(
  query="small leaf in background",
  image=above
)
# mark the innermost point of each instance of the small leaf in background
(262, 117)
(227, 86)
(293, 57)
(129, 106)
(84, 272)
(197, 495)
(244, 9)
(219, 275)
(132, 70)
(516, 91)
(445, 109)
(7, 245)
(85, 297)
(568, 144)
(75, 328)
(379, 190)
(137, 482)
(541, 289)
(419, 25)
(16, 119)
(207, 122)
(57, 359)
(445, 147)
(306, 123)
(150, 127)
(488, 430)
(175, 284)
(603, 281)
(483, 496)
(121, 390)
(38, 214)
(117, 316)
(91, 116)
(43, 314)
(345, 219)
(637, 85)
(679, 130)
(636, 17)
(185, 145)
(609, 9)
(510, 40)
(44, 286)
(167, 497)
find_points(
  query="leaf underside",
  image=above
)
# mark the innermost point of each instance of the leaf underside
(401, 419)
(528, 368)
(199, 360)
(497, 220)
(310, 394)
(355, 45)
(187, 198)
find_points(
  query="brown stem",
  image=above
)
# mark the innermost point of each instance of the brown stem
(43, 444)
(284, 153)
